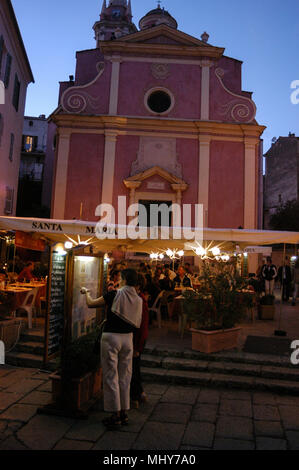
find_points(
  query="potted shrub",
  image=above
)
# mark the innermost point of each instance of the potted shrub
(77, 384)
(267, 307)
(220, 302)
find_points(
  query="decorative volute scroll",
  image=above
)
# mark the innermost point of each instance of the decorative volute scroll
(83, 99)
(238, 108)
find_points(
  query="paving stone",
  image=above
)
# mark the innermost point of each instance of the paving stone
(235, 428)
(24, 386)
(266, 413)
(236, 395)
(289, 416)
(260, 398)
(293, 439)
(209, 396)
(66, 444)
(232, 444)
(266, 443)
(171, 413)
(43, 432)
(19, 413)
(189, 377)
(199, 434)
(156, 389)
(183, 395)
(3, 426)
(115, 441)
(4, 371)
(205, 412)
(236, 408)
(160, 436)
(268, 429)
(90, 430)
(37, 398)
(193, 448)
(8, 399)
(11, 443)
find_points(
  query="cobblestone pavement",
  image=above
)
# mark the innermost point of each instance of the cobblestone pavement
(175, 418)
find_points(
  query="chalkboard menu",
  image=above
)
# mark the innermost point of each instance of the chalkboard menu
(56, 303)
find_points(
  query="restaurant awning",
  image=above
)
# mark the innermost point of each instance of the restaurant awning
(60, 230)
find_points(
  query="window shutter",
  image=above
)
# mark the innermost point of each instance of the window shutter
(16, 93)
(7, 70)
(8, 209)
(1, 50)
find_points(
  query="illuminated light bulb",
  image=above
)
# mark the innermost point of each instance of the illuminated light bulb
(68, 245)
(294, 258)
(161, 256)
(245, 255)
(215, 251)
(169, 253)
(181, 253)
(200, 251)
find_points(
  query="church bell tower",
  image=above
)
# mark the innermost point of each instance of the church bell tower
(115, 21)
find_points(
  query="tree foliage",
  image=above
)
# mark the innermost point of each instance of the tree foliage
(286, 218)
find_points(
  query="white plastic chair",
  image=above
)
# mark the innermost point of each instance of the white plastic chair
(157, 308)
(28, 305)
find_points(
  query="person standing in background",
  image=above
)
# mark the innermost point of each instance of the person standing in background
(269, 273)
(296, 282)
(285, 279)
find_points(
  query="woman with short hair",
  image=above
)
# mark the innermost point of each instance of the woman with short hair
(124, 314)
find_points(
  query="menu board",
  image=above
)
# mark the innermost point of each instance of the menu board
(56, 304)
(86, 274)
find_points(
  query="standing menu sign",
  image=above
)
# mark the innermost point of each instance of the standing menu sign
(56, 304)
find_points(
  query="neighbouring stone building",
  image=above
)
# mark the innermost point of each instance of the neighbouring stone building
(156, 115)
(15, 74)
(32, 175)
(282, 175)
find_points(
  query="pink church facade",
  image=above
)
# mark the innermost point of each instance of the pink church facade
(156, 115)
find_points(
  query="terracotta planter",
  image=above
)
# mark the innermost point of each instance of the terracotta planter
(266, 312)
(80, 391)
(214, 341)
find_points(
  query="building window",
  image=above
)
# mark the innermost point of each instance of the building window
(12, 141)
(30, 123)
(7, 70)
(29, 143)
(1, 50)
(16, 93)
(159, 101)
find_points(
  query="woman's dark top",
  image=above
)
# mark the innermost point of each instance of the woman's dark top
(115, 324)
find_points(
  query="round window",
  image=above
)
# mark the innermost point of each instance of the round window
(159, 101)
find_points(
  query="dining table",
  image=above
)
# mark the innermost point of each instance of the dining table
(19, 291)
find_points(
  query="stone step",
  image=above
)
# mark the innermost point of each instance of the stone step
(224, 356)
(180, 377)
(32, 336)
(226, 368)
(30, 347)
(21, 359)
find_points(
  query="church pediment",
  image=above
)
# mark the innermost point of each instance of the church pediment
(157, 38)
(156, 176)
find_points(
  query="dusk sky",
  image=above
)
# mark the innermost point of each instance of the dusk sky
(264, 34)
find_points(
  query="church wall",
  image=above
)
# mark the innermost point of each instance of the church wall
(226, 191)
(85, 173)
(137, 78)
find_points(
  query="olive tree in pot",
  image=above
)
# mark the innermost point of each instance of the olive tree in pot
(218, 305)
